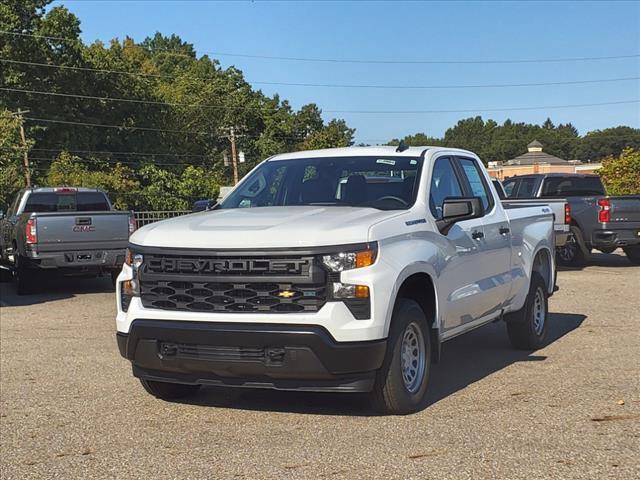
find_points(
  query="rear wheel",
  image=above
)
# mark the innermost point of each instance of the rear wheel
(574, 252)
(633, 254)
(401, 383)
(527, 328)
(168, 391)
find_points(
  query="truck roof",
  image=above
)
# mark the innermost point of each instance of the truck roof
(555, 174)
(54, 189)
(384, 150)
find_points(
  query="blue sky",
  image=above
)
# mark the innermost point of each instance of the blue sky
(408, 31)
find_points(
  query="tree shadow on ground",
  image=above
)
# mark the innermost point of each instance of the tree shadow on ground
(52, 287)
(465, 360)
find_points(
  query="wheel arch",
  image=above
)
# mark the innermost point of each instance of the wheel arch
(417, 283)
(543, 264)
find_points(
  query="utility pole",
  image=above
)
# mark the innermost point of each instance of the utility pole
(27, 172)
(232, 135)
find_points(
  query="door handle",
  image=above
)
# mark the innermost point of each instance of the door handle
(504, 230)
(477, 235)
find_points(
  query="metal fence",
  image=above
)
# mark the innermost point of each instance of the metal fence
(145, 218)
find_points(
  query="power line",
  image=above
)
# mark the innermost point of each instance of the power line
(475, 110)
(109, 152)
(150, 129)
(365, 61)
(382, 112)
(340, 85)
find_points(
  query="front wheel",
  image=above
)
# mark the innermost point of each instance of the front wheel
(633, 254)
(168, 391)
(401, 383)
(527, 328)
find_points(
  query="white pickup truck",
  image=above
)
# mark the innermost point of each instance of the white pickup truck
(334, 270)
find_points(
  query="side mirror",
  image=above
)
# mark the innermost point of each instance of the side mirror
(457, 209)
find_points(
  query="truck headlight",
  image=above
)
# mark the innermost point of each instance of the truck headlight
(131, 288)
(134, 260)
(348, 260)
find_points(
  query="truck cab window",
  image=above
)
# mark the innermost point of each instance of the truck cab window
(476, 182)
(444, 183)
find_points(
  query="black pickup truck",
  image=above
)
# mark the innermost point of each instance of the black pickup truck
(69, 230)
(598, 222)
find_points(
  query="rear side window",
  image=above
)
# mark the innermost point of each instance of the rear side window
(572, 186)
(444, 183)
(47, 202)
(477, 183)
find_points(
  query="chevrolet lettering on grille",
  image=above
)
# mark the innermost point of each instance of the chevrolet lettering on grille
(228, 266)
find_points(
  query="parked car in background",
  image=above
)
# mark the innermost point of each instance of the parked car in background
(598, 221)
(334, 270)
(560, 207)
(70, 230)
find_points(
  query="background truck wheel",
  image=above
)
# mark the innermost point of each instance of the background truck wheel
(114, 277)
(527, 328)
(607, 250)
(168, 391)
(574, 252)
(401, 382)
(633, 254)
(24, 276)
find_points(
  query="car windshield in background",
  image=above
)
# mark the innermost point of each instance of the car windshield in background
(385, 183)
(43, 202)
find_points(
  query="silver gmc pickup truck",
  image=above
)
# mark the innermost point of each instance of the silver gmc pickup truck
(72, 230)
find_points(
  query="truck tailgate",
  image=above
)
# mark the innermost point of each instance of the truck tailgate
(82, 230)
(625, 209)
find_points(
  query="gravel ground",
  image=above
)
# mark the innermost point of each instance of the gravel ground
(71, 409)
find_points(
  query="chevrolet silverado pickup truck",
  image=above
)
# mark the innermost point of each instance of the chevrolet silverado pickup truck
(334, 270)
(64, 229)
(597, 220)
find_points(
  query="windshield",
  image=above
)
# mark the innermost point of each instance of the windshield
(385, 183)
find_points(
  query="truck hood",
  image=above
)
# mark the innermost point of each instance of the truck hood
(264, 227)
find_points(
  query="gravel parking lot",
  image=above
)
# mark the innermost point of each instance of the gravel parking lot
(71, 409)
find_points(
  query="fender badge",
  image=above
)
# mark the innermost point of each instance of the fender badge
(415, 222)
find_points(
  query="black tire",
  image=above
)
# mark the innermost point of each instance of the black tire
(168, 391)
(607, 250)
(574, 252)
(5, 275)
(114, 277)
(633, 254)
(24, 276)
(523, 327)
(393, 392)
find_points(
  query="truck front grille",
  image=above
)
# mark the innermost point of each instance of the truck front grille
(232, 297)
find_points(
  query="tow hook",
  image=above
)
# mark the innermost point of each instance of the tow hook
(168, 350)
(274, 355)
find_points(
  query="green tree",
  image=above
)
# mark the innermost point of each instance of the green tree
(11, 157)
(335, 134)
(621, 174)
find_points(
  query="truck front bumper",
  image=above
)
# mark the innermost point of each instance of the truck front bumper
(285, 357)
